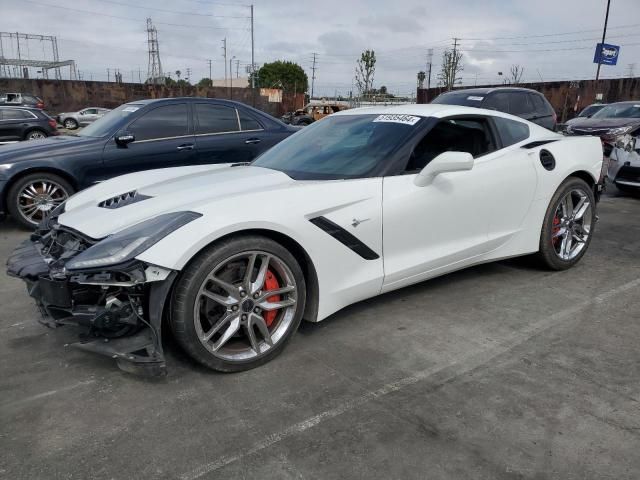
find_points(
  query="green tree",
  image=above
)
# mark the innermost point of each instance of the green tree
(282, 74)
(205, 82)
(365, 71)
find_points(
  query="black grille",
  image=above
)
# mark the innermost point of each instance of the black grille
(122, 200)
(631, 174)
(344, 237)
(588, 131)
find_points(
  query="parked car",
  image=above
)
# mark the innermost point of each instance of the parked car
(81, 118)
(611, 123)
(522, 102)
(312, 113)
(141, 135)
(19, 123)
(21, 99)
(364, 202)
(624, 163)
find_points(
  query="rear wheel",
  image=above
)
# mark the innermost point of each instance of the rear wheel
(35, 135)
(70, 124)
(31, 198)
(238, 303)
(568, 225)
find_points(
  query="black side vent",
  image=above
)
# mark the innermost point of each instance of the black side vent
(537, 143)
(344, 237)
(547, 160)
(122, 200)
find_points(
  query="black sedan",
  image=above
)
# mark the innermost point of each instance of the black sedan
(21, 123)
(35, 177)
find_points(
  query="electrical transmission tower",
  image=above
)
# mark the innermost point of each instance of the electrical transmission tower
(154, 72)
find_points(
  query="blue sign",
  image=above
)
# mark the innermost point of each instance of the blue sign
(606, 54)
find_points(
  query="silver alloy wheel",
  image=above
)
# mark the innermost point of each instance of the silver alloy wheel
(38, 198)
(571, 224)
(70, 124)
(36, 135)
(232, 312)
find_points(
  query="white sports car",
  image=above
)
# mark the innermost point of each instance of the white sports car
(366, 201)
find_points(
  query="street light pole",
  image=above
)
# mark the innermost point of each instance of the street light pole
(231, 78)
(604, 34)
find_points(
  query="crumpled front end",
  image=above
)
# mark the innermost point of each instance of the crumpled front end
(624, 163)
(118, 309)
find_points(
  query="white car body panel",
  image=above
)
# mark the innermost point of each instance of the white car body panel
(495, 210)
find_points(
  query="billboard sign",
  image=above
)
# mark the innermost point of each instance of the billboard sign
(606, 54)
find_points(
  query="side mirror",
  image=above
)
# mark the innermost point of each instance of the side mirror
(445, 162)
(124, 138)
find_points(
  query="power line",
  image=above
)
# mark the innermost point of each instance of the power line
(164, 10)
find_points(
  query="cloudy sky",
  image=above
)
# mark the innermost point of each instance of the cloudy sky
(551, 39)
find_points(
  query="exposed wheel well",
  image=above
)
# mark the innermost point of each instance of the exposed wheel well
(300, 254)
(30, 171)
(586, 176)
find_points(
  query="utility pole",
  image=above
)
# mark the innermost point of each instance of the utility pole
(108, 76)
(231, 78)
(188, 77)
(631, 67)
(224, 54)
(210, 77)
(252, 51)
(429, 63)
(313, 75)
(237, 68)
(604, 34)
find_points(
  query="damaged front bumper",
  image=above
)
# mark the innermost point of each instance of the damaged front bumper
(117, 309)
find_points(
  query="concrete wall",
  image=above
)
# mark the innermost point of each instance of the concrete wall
(68, 96)
(568, 96)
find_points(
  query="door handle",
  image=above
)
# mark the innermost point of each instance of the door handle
(186, 146)
(252, 140)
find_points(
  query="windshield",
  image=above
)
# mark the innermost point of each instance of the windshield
(104, 125)
(337, 147)
(464, 98)
(620, 110)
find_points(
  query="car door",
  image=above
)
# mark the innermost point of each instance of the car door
(87, 116)
(220, 137)
(13, 123)
(445, 225)
(163, 138)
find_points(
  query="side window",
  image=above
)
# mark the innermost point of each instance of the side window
(467, 134)
(91, 111)
(497, 101)
(511, 131)
(162, 122)
(11, 114)
(215, 119)
(520, 104)
(247, 122)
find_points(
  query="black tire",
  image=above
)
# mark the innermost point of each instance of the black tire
(35, 134)
(14, 200)
(185, 295)
(547, 254)
(70, 124)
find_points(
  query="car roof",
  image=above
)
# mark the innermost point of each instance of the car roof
(148, 101)
(19, 107)
(627, 102)
(487, 90)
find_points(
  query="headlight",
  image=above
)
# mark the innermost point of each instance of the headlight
(568, 129)
(130, 242)
(619, 131)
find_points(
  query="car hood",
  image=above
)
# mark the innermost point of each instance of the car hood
(601, 123)
(154, 192)
(21, 151)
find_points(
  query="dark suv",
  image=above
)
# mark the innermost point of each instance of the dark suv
(522, 102)
(141, 135)
(19, 123)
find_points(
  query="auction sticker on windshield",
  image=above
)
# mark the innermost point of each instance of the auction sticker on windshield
(404, 119)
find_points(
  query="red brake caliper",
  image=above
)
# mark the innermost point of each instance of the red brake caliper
(555, 229)
(271, 283)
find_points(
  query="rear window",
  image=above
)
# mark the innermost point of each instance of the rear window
(466, 99)
(540, 104)
(520, 104)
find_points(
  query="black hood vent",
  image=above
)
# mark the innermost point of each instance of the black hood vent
(123, 200)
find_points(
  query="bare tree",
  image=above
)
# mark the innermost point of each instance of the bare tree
(451, 67)
(516, 74)
(365, 70)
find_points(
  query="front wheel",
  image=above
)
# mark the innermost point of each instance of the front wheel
(70, 124)
(568, 225)
(238, 303)
(35, 135)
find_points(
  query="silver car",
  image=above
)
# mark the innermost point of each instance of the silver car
(81, 118)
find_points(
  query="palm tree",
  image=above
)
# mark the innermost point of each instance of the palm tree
(178, 73)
